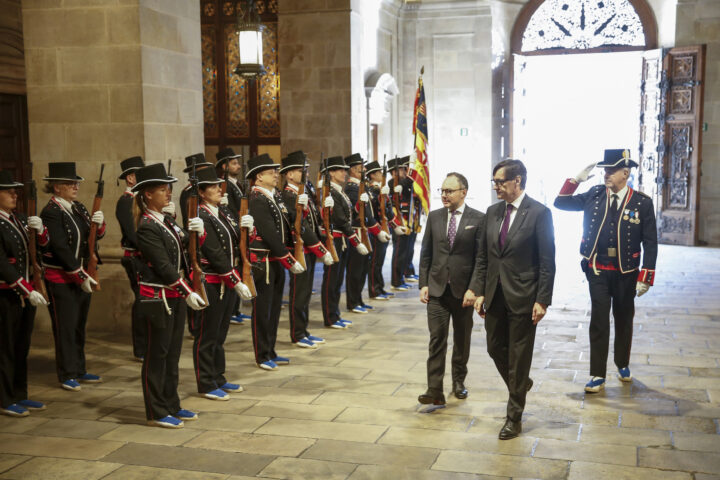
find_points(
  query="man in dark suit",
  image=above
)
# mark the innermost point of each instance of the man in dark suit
(454, 236)
(516, 283)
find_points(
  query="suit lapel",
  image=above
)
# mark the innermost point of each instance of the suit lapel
(494, 221)
(463, 223)
(517, 221)
(442, 227)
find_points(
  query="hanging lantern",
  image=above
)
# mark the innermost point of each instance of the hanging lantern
(249, 31)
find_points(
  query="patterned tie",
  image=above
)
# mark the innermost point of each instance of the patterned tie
(505, 225)
(452, 228)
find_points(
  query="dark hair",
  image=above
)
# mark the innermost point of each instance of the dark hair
(49, 187)
(460, 178)
(513, 168)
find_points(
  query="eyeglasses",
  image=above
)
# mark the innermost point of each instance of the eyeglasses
(447, 191)
(497, 182)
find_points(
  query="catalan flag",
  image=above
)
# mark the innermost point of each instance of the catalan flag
(420, 172)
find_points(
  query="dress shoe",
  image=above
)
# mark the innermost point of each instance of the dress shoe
(530, 384)
(510, 430)
(428, 398)
(459, 390)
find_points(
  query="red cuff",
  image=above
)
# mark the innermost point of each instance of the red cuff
(44, 237)
(101, 230)
(375, 229)
(181, 287)
(569, 187)
(201, 240)
(252, 235)
(646, 276)
(394, 224)
(22, 287)
(354, 240)
(78, 276)
(318, 249)
(231, 278)
(287, 261)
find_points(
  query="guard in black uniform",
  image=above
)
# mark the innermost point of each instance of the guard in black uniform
(18, 299)
(618, 227)
(401, 242)
(269, 253)
(68, 284)
(163, 270)
(198, 160)
(343, 233)
(301, 284)
(128, 242)
(414, 209)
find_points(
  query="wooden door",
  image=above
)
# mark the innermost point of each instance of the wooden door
(14, 147)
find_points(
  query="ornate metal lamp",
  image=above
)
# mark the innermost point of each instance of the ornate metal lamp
(249, 32)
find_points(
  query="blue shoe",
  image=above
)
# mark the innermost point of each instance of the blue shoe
(216, 394)
(624, 374)
(232, 387)
(281, 361)
(338, 324)
(412, 278)
(313, 292)
(346, 322)
(71, 385)
(595, 385)
(358, 309)
(139, 359)
(315, 339)
(268, 365)
(237, 320)
(305, 343)
(186, 415)
(32, 405)
(367, 307)
(167, 422)
(382, 296)
(14, 410)
(90, 378)
(389, 294)
(403, 287)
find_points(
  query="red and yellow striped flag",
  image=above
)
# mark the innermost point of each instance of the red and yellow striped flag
(420, 172)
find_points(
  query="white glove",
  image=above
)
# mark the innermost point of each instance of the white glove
(329, 202)
(364, 197)
(247, 221)
(400, 230)
(383, 236)
(195, 301)
(303, 199)
(584, 175)
(320, 183)
(642, 288)
(35, 223)
(327, 259)
(87, 284)
(196, 224)
(398, 189)
(36, 298)
(385, 190)
(362, 249)
(98, 218)
(224, 200)
(297, 268)
(243, 291)
(169, 209)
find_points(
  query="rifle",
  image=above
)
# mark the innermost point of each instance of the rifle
(361, 211)
(395, 195)
(383, 216)
(193, 211)
(223, 186)
(31, 210)
(329, 241)
(299, 244)
(168, 174)
(246, 265)
(92, 236)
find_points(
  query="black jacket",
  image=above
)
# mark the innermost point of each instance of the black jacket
(234, 193)
(309, 223)
(272, 224)
(352, 190)
(15, 261)
(124, 215)
(341, 215)
(220, 253)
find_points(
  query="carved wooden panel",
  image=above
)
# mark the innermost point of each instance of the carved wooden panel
(680, 165)
(209, 81)
(652, 108)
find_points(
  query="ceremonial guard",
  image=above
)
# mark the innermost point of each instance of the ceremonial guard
(402, 188)
(223, 286)
(65, 260)
(18, 298)
(128, 242)
(342, 233)
(163, 270)
(301, 284)
(268, 254)
(618, 229)
(198, 162)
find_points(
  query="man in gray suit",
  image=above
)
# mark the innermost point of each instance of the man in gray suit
(517, 271)
(453, 237)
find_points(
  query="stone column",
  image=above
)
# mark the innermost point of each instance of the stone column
(106, 81)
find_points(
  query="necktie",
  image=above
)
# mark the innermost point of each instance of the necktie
(505, 225)
(614, 205)
(452, 228)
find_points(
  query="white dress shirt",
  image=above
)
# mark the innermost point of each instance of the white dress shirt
(458, 216)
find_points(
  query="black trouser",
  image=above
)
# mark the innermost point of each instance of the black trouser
(300, 292)
(209, 327)
(606, 289)
(269, 282)
(332, 283)
(400, 246)
(510, 342)
(376, 282)
(439, 311)
(137, 330)
(409, 268)
(69, 307)
(355, 275)
(16, 325)
(159, 373)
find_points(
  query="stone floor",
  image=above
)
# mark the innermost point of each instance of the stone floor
(348, 409)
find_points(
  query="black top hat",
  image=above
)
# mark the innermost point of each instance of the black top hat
(372, 167)
(294, 160)
(224, 155)
(152, 175)
(260, 163)
(198, 159)
(129, 165)
(63, 171)
(7, 181)
(404, 161)
(392, 164)
(333, 163)
(617, 158)
(354, 159)
(208, 176)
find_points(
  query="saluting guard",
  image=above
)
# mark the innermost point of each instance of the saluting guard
(618, 228)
